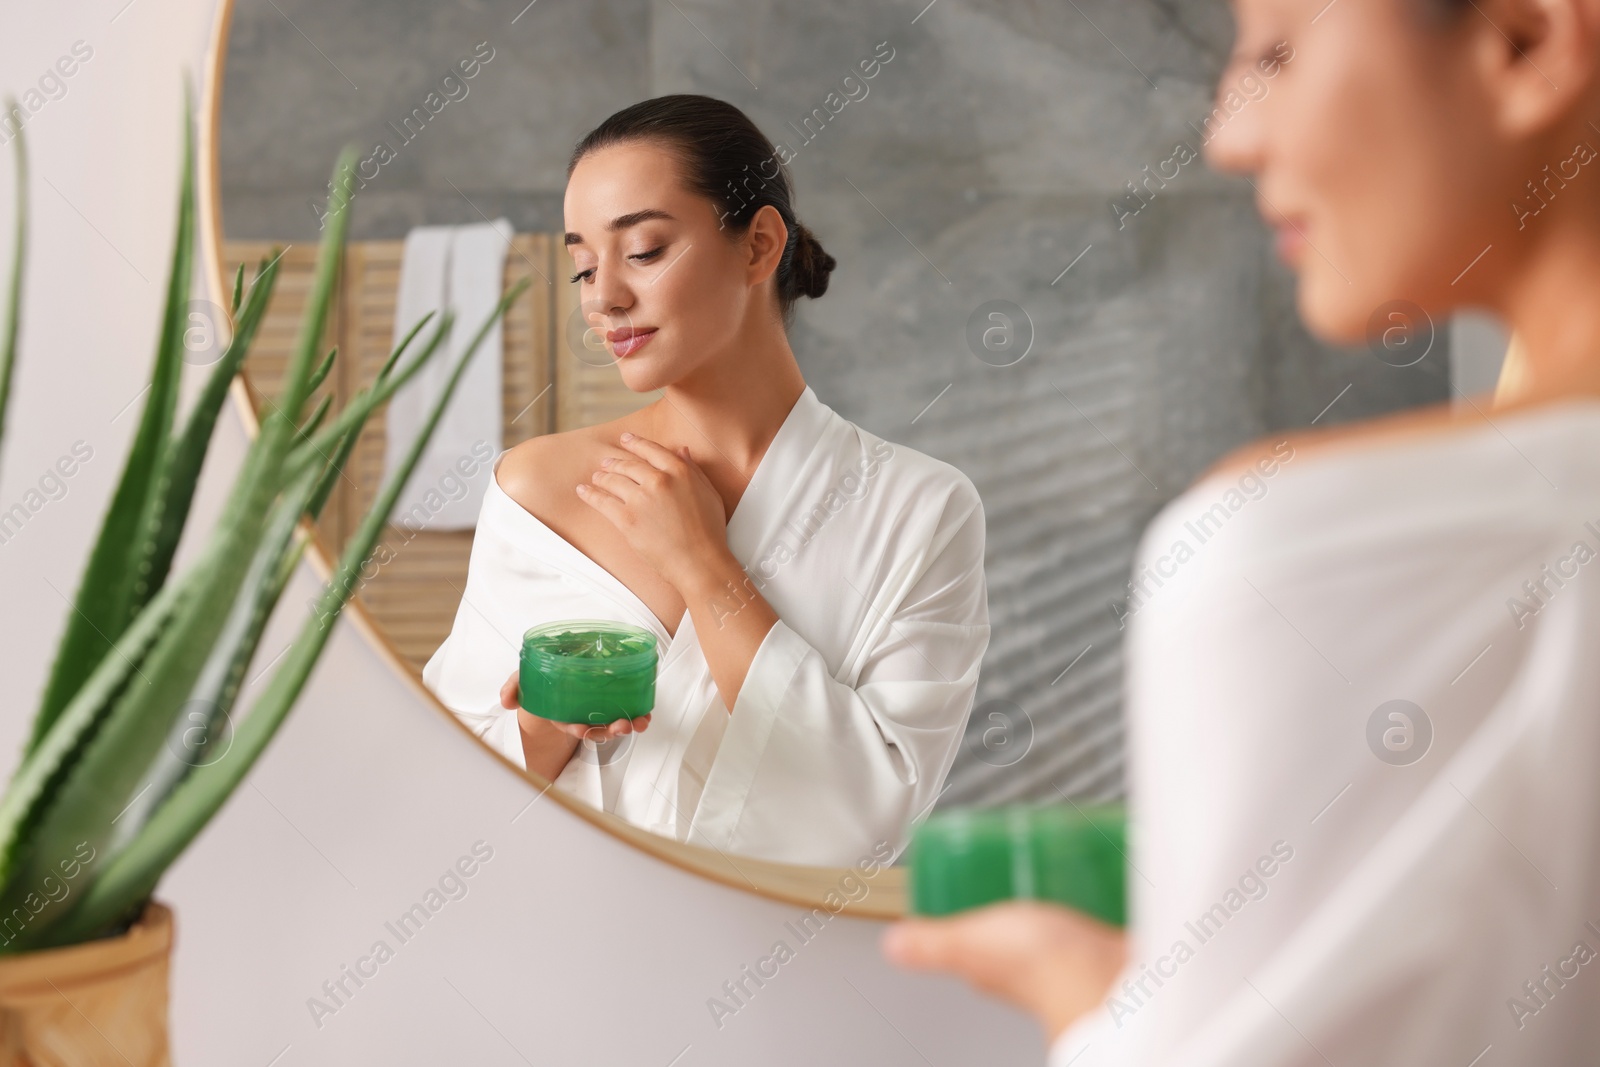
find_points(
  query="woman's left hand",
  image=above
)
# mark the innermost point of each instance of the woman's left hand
(665, 506)
(1051, 961)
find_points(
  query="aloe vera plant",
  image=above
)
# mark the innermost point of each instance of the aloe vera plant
(150, 660)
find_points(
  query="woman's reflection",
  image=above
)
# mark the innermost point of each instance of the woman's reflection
(817, 592)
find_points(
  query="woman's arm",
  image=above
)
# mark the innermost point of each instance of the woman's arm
(729, 638)
(545, 749)
(547, 746)
(672, 516)
(817, 769)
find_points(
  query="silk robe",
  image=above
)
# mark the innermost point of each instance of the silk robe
(856, 701)
(1363, 702)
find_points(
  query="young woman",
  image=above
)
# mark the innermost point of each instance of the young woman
(1364, 730)
(817, 593)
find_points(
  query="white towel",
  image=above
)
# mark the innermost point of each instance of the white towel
(461, 268)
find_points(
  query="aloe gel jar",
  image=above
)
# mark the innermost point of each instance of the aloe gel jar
(588, 671)
(1075, 856)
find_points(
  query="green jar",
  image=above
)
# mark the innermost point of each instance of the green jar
(588, 671)
(1074, 856)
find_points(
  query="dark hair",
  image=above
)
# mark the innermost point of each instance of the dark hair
(725, 159)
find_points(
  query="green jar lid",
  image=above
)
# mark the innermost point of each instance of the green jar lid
(1074, 856)
(588, 671)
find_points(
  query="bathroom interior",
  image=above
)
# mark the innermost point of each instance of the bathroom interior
(1007, 162)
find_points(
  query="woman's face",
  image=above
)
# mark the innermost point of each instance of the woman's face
(1372, 157)
(653, 261)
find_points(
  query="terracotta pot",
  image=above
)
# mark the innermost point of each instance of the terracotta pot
(100, 1003)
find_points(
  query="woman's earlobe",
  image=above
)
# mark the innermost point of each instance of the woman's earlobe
(1533, 60)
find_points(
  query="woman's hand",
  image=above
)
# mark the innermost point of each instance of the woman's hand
(1051, 961)
(510, 692)
(665, 506)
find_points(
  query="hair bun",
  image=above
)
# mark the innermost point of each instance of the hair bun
(812, 264)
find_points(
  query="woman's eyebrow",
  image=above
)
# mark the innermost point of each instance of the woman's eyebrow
(622, 222)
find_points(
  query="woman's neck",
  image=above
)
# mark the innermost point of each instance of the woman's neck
(1554, 315)
(1552, 306)
(728, 412)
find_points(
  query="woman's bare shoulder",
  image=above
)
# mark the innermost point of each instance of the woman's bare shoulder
(542, 472)
(1394, 428)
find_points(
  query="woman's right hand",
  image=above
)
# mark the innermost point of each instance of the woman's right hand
(512, 690)
(1047, 959)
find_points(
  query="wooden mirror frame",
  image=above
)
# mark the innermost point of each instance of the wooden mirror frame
(807, 886)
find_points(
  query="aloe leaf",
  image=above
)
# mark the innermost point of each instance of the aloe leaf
(8, 341)
(336, 466)
(315, 320)
(212, 698)
(360, 409)
(238, 290)
(365, 402)
(405, 342)
(111, 582)
(186, 454)
(196, 436)
(31, 787)
(276, 559)
(320, 413)
(321, 373)
(279, 425)
(132, 875)
(101, 783)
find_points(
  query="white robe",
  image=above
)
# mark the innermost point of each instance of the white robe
(1298, 900)
(856, 701)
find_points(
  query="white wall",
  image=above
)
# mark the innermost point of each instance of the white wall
(569, 946)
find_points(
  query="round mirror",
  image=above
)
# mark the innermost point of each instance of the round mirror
(1044, 318)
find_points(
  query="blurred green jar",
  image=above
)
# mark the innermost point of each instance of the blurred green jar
(588, 671)
(1074, 856)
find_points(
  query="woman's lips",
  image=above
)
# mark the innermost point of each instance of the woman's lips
(1290, 240)
(627, 341)
(1290, 243)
